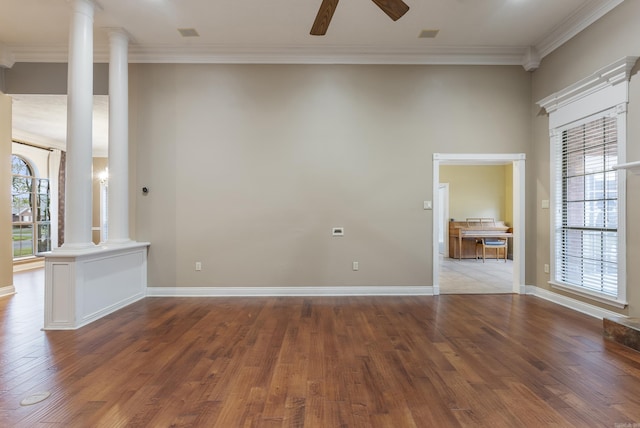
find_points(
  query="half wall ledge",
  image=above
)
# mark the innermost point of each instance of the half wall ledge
(84, 285)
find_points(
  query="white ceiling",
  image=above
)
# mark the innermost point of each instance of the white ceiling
(501, 32)
(42, 120)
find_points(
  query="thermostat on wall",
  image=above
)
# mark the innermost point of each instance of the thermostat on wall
(337, 231)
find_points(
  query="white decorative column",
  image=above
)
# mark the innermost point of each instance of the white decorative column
(78, 194)
(118, 196)
(84, 282)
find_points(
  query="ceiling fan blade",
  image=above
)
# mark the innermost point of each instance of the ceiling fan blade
(394, 8)
(323, 18)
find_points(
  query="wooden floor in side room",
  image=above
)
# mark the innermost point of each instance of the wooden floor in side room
(501, 360)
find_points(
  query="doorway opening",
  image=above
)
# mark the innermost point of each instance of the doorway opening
(517, 161)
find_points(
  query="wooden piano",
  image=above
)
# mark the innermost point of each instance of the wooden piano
(463, 235)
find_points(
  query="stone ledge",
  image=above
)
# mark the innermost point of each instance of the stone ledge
(625, 331)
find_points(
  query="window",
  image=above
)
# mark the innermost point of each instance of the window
(587, 124)
(586, 232)
(30, 210)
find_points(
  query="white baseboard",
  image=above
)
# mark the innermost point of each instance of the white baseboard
(568, 302)
(7, 291)
(29, 265)
(565, 301)
(288, 291)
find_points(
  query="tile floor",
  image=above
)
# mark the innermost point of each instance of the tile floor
(470, 276)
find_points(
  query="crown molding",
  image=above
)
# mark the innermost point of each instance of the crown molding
(6, 57)
(227, 54)
(578, 21)
(528, 57)
(531, 60)
(49, 53)
(328, 55)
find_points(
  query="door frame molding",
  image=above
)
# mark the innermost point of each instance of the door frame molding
(518, 162)
(442, 221)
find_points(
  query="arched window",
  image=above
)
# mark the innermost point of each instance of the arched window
(30, 210)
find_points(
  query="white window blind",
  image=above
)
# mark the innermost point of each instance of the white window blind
(586, 229)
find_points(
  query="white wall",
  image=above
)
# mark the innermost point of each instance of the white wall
(37, 158)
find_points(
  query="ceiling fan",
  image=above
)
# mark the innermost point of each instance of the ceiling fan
(394, 8)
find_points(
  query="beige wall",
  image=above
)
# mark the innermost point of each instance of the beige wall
(614, 36)
(477, 191)
(508, 194)
(49, 78)
(6, 250)
(250, 166)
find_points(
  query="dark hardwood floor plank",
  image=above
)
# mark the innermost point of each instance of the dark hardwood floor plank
(447, 361)
(529, 410)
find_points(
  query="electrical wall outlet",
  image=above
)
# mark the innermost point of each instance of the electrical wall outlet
(198, 266)
(546, 268)
(356, 266)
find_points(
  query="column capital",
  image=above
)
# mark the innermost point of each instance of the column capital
(118, 33)
(88, 5)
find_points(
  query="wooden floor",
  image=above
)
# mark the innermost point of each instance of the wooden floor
(447, 361)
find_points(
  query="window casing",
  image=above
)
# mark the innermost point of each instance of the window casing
(587, 126)
(31, 216)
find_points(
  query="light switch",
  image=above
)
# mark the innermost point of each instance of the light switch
(545, 204)
(428, 205)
